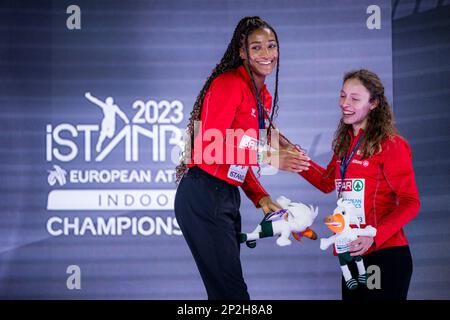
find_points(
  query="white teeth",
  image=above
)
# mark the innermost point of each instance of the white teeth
(265, 62)
(347, 113)
(334, 224)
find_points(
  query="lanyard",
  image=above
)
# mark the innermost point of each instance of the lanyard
(260, 106)
(345, 161)
(261, 123)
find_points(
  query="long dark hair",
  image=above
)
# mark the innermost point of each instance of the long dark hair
(230, 60)
(380, 123)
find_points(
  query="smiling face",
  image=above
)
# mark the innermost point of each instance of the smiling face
(355, 104)
(263, 53)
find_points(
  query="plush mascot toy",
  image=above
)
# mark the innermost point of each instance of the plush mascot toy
(339, 223)
(295, 218)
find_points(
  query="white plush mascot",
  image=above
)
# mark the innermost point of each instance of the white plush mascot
(295, 218)
(339, 223)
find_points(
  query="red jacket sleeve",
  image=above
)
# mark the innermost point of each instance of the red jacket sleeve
(252, 188)
(399, 174)
(218, 112)
(322, 179)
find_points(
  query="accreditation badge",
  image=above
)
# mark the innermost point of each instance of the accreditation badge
(237, 173)
(353, 190)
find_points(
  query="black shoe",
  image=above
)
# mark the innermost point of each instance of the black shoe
(251, 244)
(351, 284)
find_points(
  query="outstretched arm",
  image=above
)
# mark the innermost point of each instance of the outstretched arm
(287, 159)
(284, 155)
(326, 242)
(321, 178)
(94, 100)
(122, 115)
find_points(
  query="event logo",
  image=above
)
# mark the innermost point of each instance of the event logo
(152, 124)
(57, 175)
(109, 163)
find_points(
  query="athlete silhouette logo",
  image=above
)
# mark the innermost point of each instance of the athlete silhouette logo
(108, 126)
(58, 174)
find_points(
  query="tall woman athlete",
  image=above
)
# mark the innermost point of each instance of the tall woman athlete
(234, 98)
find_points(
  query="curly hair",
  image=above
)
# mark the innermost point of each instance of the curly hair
(230, 60)
(380, 122)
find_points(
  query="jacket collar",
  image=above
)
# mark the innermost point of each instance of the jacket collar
(243, 73)
(352, 136)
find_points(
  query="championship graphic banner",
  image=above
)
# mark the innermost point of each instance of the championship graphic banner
(113, 165)
(95, 97)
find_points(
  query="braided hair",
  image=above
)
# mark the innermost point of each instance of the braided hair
(230, 60)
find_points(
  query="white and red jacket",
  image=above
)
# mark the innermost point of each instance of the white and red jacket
(230, 107)
(386, 179)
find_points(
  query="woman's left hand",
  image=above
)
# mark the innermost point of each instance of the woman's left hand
(268, 205)
(360, 245)
(288, 159)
